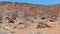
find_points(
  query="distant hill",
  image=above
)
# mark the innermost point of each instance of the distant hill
(34, 9)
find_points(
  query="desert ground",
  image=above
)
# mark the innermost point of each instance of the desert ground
(25, 18)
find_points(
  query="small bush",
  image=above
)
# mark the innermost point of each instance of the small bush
(4, 32)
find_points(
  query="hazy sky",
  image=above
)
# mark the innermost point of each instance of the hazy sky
(44, 2)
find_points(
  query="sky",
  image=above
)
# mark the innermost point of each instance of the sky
(43, 2)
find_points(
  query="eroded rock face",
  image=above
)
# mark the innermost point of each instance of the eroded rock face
(16, 16)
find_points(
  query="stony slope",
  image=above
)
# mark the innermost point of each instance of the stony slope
(27, 17)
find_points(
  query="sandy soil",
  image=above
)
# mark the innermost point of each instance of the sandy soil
(55, 29)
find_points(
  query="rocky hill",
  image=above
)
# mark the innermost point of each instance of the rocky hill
(16, 16)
